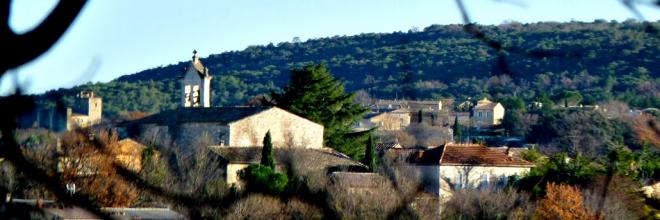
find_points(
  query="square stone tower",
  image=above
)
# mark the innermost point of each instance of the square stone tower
(196, 85)
(86, 104)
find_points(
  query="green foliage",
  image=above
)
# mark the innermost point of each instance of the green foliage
(458, 130)
(514, 123)
(642, 165)
(154, 169)
(267, 158)
(571, 98)
(600, 60)
(575, 131)
(260, 178)
(315, 94)
(559, 169)
(370, 154)
(513, 103)
(531, 155)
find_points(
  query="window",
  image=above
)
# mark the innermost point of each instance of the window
(479, 113)
(459, 181)
(186, 95)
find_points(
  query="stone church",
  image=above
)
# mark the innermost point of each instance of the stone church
(196, 123)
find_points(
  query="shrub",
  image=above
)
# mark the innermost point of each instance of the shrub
(260, 178)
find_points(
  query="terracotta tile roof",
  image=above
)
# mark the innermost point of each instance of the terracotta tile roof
(222, 115)
(469, 154)
(456, 154)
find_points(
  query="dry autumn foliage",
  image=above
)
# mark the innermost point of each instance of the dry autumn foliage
(88, 160)
(562, 202)
(647, 130)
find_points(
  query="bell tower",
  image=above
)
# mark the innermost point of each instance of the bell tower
(196, 85)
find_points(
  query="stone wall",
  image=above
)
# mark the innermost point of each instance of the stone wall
(194, 134)
(287, 130)
(185, 135)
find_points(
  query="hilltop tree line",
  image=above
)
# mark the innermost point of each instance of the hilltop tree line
(599, 61)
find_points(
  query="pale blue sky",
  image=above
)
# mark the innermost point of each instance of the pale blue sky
(116, 37)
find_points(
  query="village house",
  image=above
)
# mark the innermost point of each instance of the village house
(454, 166)
(86, 111)
(410, 105)
(387, 120)
(315, 160)
(487, 114)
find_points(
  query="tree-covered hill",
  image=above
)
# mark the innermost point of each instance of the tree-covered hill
(601, 60)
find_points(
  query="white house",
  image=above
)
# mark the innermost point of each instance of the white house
(454, 166)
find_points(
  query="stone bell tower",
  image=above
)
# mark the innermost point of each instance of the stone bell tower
(196, 85)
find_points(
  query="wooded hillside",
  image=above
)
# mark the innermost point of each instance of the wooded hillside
(600, 60)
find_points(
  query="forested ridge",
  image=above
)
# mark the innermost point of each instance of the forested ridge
(600, 60)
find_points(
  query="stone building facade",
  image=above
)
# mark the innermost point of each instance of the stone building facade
(487, 113)
(229, 127)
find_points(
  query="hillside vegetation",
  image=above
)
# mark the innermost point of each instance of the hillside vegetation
(599, 60)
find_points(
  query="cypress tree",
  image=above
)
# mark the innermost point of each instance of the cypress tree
(457, 129)
(315, 94)
(420, 114)
(370, 154)
(267, 158)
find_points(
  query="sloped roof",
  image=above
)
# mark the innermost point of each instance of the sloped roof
(387, 146)
(469, 154)
(478, 155)
(322, 158)
(198, 66)
(221, 115)
(485, 104)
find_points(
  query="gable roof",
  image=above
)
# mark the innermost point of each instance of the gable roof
(197, 65)
(486, 104)
(221, 115)
(322, 158)
(452, 154)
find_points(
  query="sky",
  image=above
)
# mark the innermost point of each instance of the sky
(111, 38)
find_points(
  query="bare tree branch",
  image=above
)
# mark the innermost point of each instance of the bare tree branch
(20, 49)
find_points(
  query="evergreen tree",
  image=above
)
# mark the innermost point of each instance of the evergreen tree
(315, 94)
(457, 129)
(420, 114)
(267, 158)
(370, 154)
